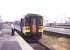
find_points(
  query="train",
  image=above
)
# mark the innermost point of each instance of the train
(32, 27)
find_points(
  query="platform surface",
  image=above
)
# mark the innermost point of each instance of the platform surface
(8, 42)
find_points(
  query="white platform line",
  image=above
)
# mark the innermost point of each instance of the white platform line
(24, 45)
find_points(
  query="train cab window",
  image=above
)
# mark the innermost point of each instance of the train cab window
(26, 23)
(40, 21)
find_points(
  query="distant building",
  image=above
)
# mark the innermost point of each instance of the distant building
(17, 22)
(67, 22)
(1, 20)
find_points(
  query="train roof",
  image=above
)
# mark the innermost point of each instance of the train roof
(33, 15)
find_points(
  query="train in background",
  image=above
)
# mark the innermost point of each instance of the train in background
(32, 27)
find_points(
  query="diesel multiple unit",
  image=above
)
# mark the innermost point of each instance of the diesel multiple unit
(32, 26)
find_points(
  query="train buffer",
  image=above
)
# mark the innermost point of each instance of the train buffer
(8, 42)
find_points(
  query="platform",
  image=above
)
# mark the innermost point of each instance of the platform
(8, 42)
(58, 30)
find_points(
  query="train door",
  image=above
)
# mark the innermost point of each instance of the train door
(33, 26)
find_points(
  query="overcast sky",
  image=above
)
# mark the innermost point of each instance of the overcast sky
(52, 10)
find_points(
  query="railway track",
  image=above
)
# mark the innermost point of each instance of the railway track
(38, 46)
(35, 44)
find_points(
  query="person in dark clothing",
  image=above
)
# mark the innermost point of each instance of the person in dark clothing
(12, 32)
(12, 28)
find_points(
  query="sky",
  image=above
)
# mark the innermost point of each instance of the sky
(51, 10)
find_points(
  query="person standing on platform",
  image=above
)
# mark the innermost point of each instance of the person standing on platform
(12, 28)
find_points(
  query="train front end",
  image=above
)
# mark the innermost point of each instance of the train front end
(32, 26)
